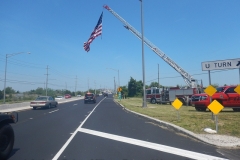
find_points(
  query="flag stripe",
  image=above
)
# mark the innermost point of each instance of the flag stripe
(96, 32)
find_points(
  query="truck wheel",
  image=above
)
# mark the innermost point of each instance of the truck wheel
(236, 109)
(182, 100)
(197, 108)
(6, 140)
(153, 101)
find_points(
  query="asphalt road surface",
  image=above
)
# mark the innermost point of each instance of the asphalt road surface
(100, 131)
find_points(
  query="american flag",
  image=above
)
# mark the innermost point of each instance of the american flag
(96, 32)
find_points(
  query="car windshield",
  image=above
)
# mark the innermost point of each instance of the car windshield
(220, 89)
(41, 99)
(89, 95)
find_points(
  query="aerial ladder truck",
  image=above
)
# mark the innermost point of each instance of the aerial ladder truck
(189, 80)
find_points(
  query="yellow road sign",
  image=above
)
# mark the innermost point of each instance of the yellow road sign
(119, 89)
(177, 104)
(215, 107)
(237, 89)
(210, 90)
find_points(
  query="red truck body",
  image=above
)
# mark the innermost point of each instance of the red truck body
(225, 95)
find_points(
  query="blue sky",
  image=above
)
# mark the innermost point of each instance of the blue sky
(187, 31)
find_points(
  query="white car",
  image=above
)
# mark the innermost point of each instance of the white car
(59, 98)
(43, 101)
(79, 95)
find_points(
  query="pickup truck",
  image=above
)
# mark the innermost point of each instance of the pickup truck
(224, 95)
(7, 133)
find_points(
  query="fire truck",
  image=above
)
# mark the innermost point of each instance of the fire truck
(164, 95)
(225, 95)
(168, 95)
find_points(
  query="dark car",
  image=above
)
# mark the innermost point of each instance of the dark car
(105, 94)
(90, 97)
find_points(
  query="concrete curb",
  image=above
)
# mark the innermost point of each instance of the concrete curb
(26, 105)
(184, 131)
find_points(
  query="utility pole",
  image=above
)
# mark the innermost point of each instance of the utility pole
(47, 80)
(88, 84)
(144, 104)
(95, 86)
(114, 86)
(158, 77)
(66, 85)
(75, 86)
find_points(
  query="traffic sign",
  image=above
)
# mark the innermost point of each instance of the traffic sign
(210, 90)
(215, 107)
(119, 89)
(177, 104)
(220, 65)
(237, 89)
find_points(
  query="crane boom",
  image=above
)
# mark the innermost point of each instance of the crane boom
(190, 81)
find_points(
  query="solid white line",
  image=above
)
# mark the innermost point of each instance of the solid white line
(155, 146)
(73, 135)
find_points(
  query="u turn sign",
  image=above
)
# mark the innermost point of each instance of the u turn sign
(221, 64)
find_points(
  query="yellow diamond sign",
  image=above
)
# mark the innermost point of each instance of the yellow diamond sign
(237, 89)
(119, 89)
(215, 107)
(210, 90)
(177, 103)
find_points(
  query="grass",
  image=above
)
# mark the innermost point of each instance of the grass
(189, 118)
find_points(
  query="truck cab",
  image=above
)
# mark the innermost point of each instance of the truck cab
(225, 95)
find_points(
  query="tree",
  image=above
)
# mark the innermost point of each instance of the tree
(39, 91)
(9, 90)
(139, 89)
(154, 84)
(132, 87)
(1, 94)
(215, 85)
(124, 90)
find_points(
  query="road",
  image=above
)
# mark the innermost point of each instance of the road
(100, 131)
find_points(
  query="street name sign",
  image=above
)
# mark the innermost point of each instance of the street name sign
(221, 64)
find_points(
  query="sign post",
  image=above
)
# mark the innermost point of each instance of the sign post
(215, 107)
(119, 93)
(210, 90)
(177, 104)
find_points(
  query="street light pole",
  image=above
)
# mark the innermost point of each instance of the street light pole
(8, 55)
(144, 104)
(117, 70)
(118, 79)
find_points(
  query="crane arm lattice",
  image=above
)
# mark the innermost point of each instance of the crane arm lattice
(187, 77)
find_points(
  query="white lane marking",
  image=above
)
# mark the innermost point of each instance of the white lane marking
(155, 146)
(53, 111)
(75, 104)
(73, 135)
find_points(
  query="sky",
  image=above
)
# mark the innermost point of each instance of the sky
(53, 31)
